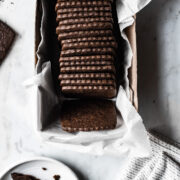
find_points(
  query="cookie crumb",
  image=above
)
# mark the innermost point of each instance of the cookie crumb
(56, 177)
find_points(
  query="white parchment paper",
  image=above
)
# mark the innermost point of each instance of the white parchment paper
(128, 138)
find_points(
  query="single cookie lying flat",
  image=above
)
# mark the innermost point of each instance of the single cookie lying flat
(87, 76)
(106, 92)
(88, 115)
(6, 38)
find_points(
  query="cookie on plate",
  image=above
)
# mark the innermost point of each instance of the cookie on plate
(18, 176)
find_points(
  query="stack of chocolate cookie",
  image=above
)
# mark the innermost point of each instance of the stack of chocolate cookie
(88, 50)
(85, 31)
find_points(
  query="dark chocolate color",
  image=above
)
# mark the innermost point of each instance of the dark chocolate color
(88, 58)
(61, 17)
(87, 52)
(82, 34)
(106, 92)
(90, 44)
(6, 38)
(83, 20)
(18, 176)
(83, 9)
(85, 63)
(89, 39)
(77, 4)
(87, 76)
(87, 69)
(56, 177)
(84, 27)
(89, 82)
(88, 115)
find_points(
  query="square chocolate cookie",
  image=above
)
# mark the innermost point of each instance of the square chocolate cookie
(88, 115)
(6, 38)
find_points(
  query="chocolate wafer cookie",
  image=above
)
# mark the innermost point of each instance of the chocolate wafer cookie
(84, 0)
(61, 17)
(85, 20)
(88, 58)
(89, 115)
(77, 4)
(84, 9)
(79, 69)
(87, 76)
(84, 27)
(90, 91)
(88, 48)
(95, 44)
(6, 38)
(87, 51)
(80, 34)
(85, 63)
(88, 39)
(88, 82)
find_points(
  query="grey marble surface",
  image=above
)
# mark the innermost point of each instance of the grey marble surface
(158, 27)
(159, 95)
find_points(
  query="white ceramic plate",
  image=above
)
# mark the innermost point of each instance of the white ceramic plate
(34, 167)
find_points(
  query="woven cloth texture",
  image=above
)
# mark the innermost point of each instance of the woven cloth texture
(163, 164)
